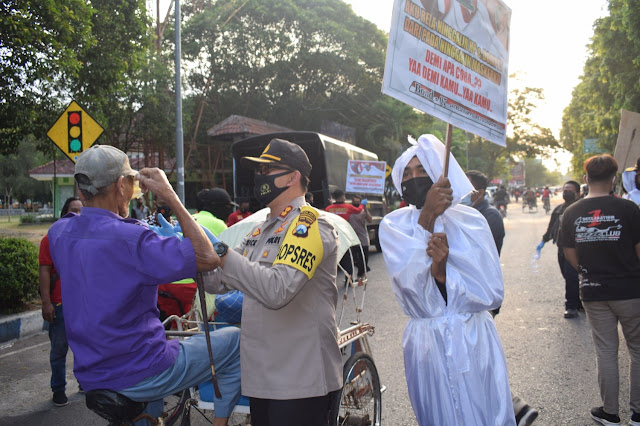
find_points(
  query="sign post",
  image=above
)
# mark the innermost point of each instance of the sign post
(75, 131)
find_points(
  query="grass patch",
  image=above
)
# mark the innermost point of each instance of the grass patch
(31, 232)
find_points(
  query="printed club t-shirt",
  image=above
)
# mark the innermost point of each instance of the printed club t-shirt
(604, 232)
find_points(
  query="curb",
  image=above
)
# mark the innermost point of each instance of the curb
(18, 326)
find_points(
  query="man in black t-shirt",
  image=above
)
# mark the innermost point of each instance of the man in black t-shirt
(570, 193)
(600, 236)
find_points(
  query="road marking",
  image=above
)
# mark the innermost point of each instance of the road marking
(25, 349)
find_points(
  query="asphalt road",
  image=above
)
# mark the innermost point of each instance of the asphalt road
(551, 360)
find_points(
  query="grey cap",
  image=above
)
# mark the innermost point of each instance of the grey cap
(101, 165)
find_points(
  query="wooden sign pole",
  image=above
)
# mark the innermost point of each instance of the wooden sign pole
(447, 150)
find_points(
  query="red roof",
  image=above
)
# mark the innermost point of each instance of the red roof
(66, 168)
(239, 125)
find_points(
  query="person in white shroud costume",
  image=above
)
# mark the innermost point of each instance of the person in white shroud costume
(446, 282)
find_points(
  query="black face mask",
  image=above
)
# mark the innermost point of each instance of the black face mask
(414, 191)
(244, 209)
(568, 196)
(354, 204)
(265, 188)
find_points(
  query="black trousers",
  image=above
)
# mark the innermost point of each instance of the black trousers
(571, 283)
(292, 412)
(361, 263)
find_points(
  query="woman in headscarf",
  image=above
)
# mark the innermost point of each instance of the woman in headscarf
(446, 275)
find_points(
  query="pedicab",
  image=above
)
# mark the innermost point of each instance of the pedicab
(358, 403)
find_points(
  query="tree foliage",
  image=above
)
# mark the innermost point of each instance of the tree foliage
(536, 174)
(40, 41)
(97, 53)
(14, 173)
(294, 63)
(526, 139)
(609, 83)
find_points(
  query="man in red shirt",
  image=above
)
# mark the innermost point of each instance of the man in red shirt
(241, 213)
(343, 209)
(50, 293)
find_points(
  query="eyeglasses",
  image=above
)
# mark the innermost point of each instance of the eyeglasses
(265, 169)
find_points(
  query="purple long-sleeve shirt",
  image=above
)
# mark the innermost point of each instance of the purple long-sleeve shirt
(110, 269)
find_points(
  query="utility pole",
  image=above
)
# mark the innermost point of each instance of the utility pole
(179, 134)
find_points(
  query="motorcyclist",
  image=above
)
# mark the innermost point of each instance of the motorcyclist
(546, 193)
(501, 198)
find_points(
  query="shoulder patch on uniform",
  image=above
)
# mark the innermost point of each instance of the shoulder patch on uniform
(304, 222)
(302, 246)
(256, 232)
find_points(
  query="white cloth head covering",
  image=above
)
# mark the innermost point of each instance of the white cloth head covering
(629, 184)
(430, 152)
(629, 179)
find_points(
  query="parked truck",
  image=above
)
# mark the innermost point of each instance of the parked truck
(329, 158)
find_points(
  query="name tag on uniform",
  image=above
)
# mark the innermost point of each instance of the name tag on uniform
(302, 246)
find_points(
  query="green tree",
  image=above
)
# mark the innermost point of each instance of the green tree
(15, 182)
(295, 63)
(526, 139)
(536, 174)
(40, 42)
(122, 74)
(609, 83)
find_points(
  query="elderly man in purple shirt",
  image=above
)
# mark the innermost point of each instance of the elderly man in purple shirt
(111, 268)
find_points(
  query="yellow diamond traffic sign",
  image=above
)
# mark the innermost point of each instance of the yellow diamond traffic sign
(387, 171)
(75, 131)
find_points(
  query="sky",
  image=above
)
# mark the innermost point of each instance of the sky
(548, 48)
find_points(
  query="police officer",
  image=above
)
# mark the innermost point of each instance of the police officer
(286, 267)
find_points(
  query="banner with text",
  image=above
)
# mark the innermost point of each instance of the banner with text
(449, 58)
(366, 177)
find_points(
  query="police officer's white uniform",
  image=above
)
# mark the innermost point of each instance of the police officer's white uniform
(286, 268)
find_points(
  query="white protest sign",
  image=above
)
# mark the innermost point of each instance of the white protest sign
(366, 177)
(449, 59)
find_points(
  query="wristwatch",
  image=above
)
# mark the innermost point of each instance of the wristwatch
(221, 248)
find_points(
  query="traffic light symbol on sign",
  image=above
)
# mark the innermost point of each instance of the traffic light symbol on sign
(74, 131)
(74, 125)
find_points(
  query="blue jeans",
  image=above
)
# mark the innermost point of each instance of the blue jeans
(191, 368)
(59, 349)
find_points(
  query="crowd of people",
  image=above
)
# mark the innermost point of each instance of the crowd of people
(441, 254)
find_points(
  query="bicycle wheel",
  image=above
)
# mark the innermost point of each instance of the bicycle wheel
(360, 398)
(178, 409)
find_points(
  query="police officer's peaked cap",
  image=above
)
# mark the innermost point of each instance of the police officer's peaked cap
(281, 152)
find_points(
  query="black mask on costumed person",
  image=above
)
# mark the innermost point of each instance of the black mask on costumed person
(414, 191)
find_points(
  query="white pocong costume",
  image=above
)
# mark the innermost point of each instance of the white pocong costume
(454, 364)
(629, 183)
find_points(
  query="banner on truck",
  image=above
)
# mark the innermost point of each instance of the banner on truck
(365, 177)
(449, 59)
